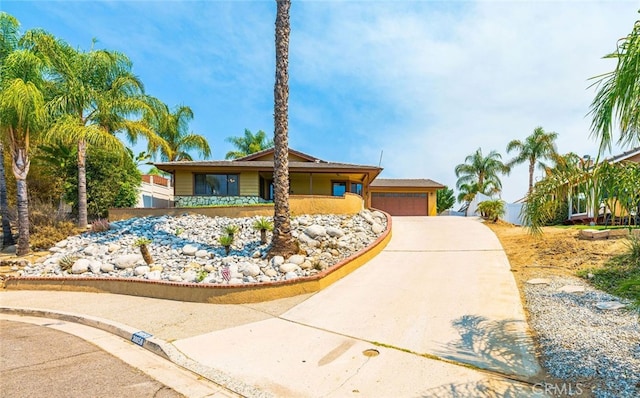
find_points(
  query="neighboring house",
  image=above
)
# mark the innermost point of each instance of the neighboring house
(579, 209)
(402, 197)
(249, 180)
(155, 192)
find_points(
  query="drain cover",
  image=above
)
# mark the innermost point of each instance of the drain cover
(370, 353)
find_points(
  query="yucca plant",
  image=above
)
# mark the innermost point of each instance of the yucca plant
(226, 241)
(144, 250)
(67, 262)
(231, 230)
(263, 225)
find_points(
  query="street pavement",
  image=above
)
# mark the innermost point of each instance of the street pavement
(437, 313)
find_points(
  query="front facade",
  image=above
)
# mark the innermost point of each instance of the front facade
(249, 180)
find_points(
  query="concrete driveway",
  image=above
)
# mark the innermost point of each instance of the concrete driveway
(441, 293)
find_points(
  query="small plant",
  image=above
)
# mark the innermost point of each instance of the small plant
(67, 262)
(179, 231)
(492, 209)
(201, 275)
(231, 230)
(226, 241)
(100, 225)
(263, 225)
(144, 250)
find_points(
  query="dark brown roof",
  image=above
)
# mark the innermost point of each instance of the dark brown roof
(265, 164)
(405, 183)
(625, 155)
(263, 152)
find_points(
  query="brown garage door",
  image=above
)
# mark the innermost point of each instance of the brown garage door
(401, 203)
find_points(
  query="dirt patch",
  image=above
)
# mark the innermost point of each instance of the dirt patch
(556, 252)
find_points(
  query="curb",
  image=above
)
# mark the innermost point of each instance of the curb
(153, 344)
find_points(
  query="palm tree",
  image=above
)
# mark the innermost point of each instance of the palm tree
(617, 97)
(8, 42)
(22, 114)
(539, 145)
(95, 96)
(7, 236)
(248, 144)
(282, 243)
(173, 128)
(480, 174)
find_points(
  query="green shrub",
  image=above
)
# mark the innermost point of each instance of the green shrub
(492, 209)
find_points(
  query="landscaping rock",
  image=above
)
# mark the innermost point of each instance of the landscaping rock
(288, 267)
(610, 305)
(572, 289)
(315, 231)
(107, 267)
(189, 250)
(335, 232)
(296, 259)
(141, 270)
(539, 281)
(201, 253)
(251, 270)
(80, 266)
(127, 260)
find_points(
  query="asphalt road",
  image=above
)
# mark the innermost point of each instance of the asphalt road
(37, 361)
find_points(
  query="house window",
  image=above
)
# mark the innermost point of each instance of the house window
(356, 188)
(578, 201)
(216, 184)
(338, 188)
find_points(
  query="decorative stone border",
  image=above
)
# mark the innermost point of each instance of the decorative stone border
(195, 201)
(596, 234)
(208, 293)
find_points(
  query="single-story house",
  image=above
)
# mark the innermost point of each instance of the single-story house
(249, 180)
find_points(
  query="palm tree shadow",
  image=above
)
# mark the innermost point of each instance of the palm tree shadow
(503, 346)
(489, 388)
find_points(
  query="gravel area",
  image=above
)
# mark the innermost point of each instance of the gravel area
(580, 343)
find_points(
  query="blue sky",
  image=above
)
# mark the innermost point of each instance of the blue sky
(425, 82)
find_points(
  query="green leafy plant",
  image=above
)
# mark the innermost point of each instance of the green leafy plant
(263, 225)
(231, 230)
(179, 231)
(491, 209)
(144, 250)
(444, 199)
(201, 275)
(226, 241)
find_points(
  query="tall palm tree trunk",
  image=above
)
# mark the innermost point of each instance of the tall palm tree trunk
(20, 163)
(82, 184)
(7, 236)
(532, 165)
(282, 243)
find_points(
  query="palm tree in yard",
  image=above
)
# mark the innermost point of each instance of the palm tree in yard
(282, 243)
(173, 128)
(22, 115)
(248, 144)
(618, 95)
(94, 96)
(480, 174)
(8, 43)
(539, 145)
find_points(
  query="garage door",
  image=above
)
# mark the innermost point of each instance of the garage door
(401, 203)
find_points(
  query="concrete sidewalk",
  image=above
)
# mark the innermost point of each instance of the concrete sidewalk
(440, 294)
